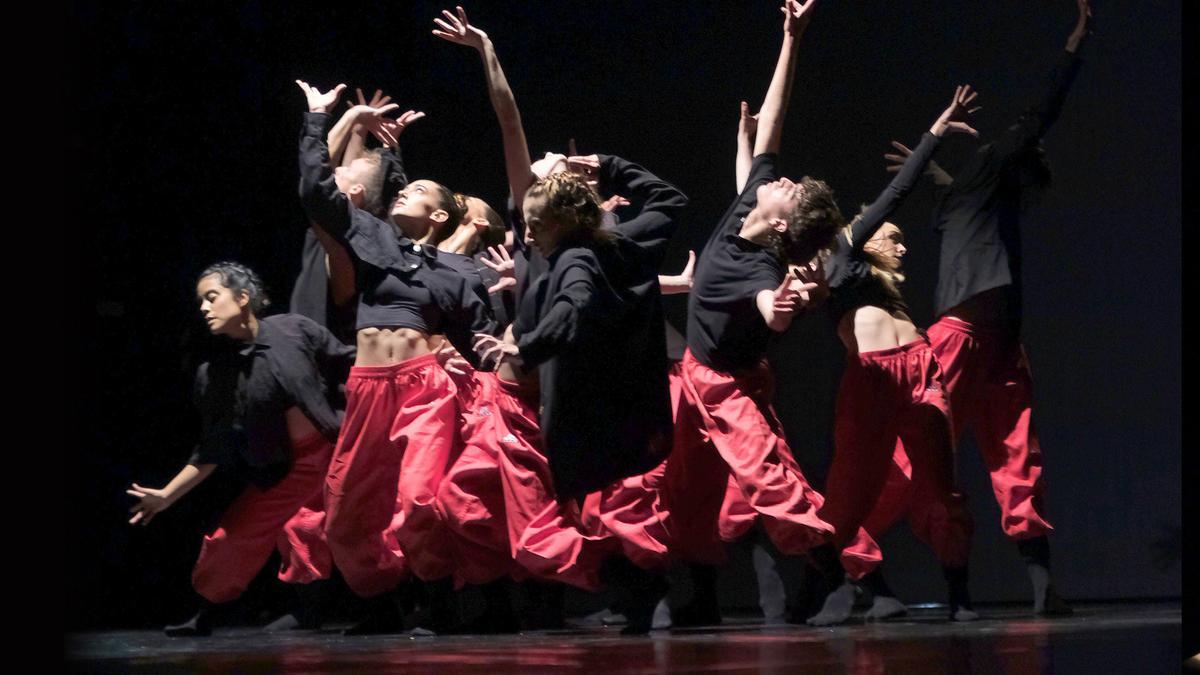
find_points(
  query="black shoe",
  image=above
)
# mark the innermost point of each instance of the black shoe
(199, 625)
(637, 592)
(436, 615)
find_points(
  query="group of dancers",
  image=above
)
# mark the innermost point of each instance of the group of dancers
(512, 410)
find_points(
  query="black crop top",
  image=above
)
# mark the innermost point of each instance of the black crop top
(848, 271)
(401, 284)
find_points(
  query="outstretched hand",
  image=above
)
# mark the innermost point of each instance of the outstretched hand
(953, 118)
(502, 264)
(150, 503)
(613, 202)
(796, 16)
(458, 29)
(388, 130)
(320, 102)
(492, 351)
(931, 169)
(811, 282)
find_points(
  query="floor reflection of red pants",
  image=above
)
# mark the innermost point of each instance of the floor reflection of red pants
(287, 515)
(397, 442)
(731, 466)
(887, 395)
(990, 389)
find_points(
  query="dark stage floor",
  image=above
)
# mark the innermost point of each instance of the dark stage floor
(1126, 638)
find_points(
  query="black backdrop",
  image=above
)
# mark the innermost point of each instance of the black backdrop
(188, 127)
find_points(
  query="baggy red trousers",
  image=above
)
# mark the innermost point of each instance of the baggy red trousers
(471, 497)
(990, 388)
(397, 442)
(550, 539)
(727, 433)
(887, 395)
(259, 520)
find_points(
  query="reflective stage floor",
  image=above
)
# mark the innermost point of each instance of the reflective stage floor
(1099, 638)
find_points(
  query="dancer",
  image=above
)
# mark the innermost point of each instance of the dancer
(263, 399)
(891, 389)
(324, 289)
(595, 431)
(397, 395)
(742, 292)
(978, 304)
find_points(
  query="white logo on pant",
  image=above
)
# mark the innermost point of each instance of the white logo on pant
(508, 438)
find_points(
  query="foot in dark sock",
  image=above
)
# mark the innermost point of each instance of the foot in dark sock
(284, 623)
(1046, 602)
(837, 607)
(885, 607)
(383, 617)
(199, 625)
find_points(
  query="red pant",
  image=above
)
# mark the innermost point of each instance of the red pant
(727, 429)
(471, 497)
(397, 442)
(258, 521)
(887, 395)
(991, 391)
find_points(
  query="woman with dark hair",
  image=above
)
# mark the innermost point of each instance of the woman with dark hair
(398, 397)
(891, 389)
(265, 412)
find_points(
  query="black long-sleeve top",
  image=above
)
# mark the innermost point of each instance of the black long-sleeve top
(310, 292)
(244, 390)
(401, 283)
(659, 206)
(848, 271)
(725, 330)
(978, 215)
(593, 325)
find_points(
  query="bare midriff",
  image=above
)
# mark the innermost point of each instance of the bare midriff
(982, 309)
(870, 329)
(389, 346)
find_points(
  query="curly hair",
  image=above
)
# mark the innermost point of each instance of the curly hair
(812, 223)
(571, 204)
(238, 278)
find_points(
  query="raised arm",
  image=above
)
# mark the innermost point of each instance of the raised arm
(325, 205)
(952, 119)
(747, 128)
(796, 16)
(660, 201)
(458, 29)
(1037, 120)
